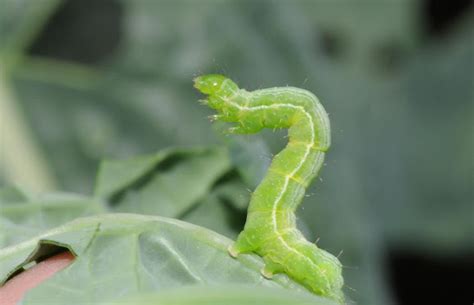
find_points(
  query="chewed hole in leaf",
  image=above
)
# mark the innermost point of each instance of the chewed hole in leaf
(44, 251)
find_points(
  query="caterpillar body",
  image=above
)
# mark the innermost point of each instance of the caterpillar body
(270, 229)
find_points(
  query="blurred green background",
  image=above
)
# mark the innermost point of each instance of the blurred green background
(84, 80)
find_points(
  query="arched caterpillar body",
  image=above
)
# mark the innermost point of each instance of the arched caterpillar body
(270, 229)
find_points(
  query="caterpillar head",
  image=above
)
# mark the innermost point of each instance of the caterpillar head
(215, 85)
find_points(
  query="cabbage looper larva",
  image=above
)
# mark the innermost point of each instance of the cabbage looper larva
(270, 229)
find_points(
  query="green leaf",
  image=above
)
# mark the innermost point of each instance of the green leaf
(219, 211)
(115, 176)
(196, 185)
(14, 258)
(22, 218)
(120, 255)
(166, 184)
(224, 295)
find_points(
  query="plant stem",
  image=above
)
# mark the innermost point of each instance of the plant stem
(21, 159)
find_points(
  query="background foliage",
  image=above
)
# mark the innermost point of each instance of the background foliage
(83, 81)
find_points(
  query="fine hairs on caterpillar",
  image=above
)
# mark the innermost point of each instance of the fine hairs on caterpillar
(270, 230)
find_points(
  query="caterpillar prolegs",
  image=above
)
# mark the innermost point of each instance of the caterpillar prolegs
(270, 229)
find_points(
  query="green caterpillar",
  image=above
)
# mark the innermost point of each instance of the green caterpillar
(270, 229)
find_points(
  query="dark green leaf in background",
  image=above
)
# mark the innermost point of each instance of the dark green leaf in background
(22, 218)
(166, 184)
(197, 185)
